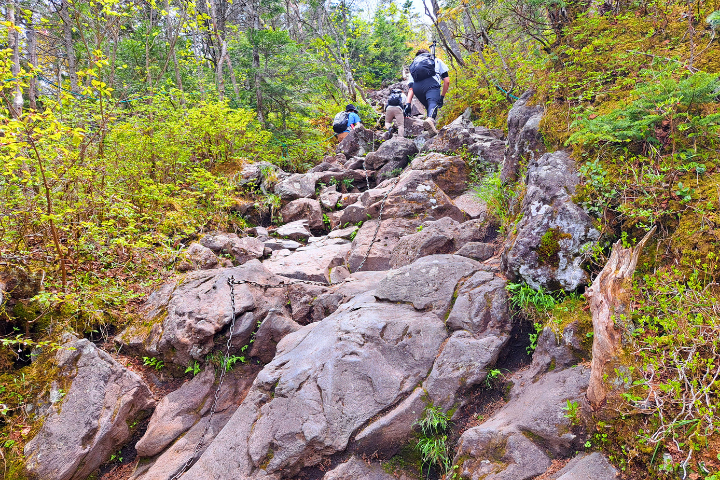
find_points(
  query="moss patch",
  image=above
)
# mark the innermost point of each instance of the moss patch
(549, 248)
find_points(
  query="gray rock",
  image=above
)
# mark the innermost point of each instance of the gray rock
(175, 414)
(592, 466)
(448, 173)
(533, 414)
(557, 350)
(493, 457)
(358, 470)
(478, 141)
(379, 252)
(477, 251)
(524, 137)
(386, 435)
(261, 174)
(304, 209)
(297, 230)
(471, 205)
(330, 197)
(549, 212)
(481, 306)
(414, 195)
(218, 242)
(281, 244)
(462, 364)
(359, 142)
(296, 186)
(102, 399)
(355, 213)
(235, 386)
(310, 263)
(345, 233)
(271, 331)
(397, 150)
(300, 407)
(197, 257)
(441, 236)
(428, 283)
(185, 317)
(246, 249)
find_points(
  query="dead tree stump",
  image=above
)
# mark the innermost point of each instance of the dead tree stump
(609, 300)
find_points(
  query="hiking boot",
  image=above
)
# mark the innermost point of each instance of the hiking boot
(429, 125)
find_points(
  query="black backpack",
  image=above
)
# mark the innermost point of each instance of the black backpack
(395, 98)
(340, 122)
(422, 67)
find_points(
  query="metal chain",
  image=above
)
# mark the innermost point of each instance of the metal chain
(231, 282)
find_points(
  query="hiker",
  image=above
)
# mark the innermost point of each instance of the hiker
(426, 74)
(346, 121)
(394, 111)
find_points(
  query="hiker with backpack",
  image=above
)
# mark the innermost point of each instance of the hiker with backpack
(427, 73)
(394, 111)
(346, 121)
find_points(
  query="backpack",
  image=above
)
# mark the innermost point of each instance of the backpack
(395, 98)
(340, 122)
(422, 67)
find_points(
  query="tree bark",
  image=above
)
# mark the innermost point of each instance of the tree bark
(609, 303)
(445, 35)
(33, 59)
(64, 14)
(13, 43)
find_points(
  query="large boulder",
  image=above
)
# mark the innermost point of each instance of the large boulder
(182, 419)
(524, 137)
(478, 141)
(554, 234)
(518, 440)
(103, 398)
(471, 205)
(481, 306)
(304, 209)
(428, 283)
(376, 254)
(396, 152)
(462, 364)
(313, 262)
(329, 197)
(296, 186)
(414, 195)
(197, 257)
(448, 173)
(269, 334)
(300, 407)
(242, 249)
(298, 230)
(261, 175)
(181, 319)
(441, 236)
(358, 142)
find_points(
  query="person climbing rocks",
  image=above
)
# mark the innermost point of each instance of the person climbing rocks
(349, 119)
(395, 113)
(427, 73)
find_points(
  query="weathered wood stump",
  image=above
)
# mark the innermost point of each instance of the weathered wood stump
(609, 300)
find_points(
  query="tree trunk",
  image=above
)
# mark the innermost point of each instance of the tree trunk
(445, 34)
(609, 297)
(64, 15)
(13, 43)
(33, 59)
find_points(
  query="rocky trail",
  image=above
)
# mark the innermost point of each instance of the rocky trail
(383, 294)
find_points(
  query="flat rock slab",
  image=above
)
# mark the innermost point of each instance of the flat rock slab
(587, 467)
(358, 470)
(428, 284)
(481, 306)
(472, 205)
(327, 379)
(310, 263)
(79, 434)
(380, 251)
(297, 230)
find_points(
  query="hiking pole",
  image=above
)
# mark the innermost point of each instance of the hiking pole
(432, 47)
